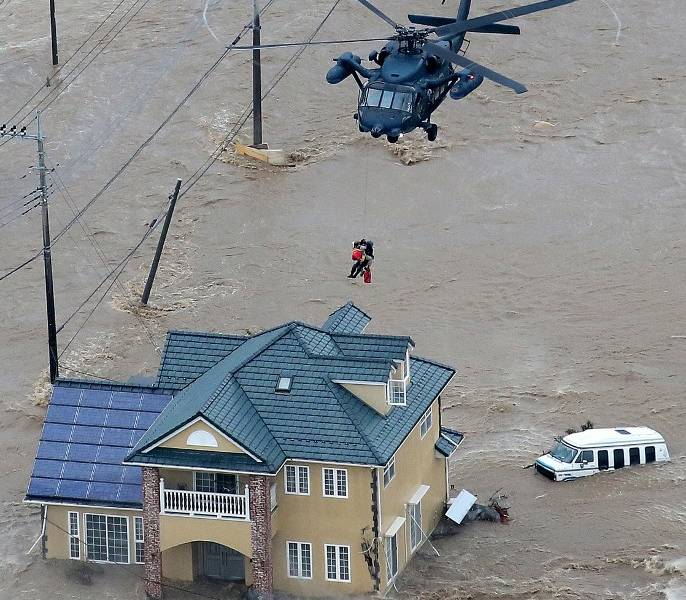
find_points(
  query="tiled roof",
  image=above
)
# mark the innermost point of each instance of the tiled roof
(347, 319)
(89, 428)
(317, 419)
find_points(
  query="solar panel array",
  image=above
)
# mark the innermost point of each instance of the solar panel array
(88, 432)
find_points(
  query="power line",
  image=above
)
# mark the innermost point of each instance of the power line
(59, 70)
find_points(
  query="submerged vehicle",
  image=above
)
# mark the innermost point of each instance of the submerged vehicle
(594, 450)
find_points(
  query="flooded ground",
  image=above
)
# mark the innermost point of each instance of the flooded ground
(538, 246)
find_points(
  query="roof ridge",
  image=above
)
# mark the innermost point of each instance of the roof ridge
(336, 389)
(433, 362)
(69, 382)
(208, 334)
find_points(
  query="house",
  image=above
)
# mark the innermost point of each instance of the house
(309, 460)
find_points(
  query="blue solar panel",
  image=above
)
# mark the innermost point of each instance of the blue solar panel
(56, 450)
(47, 468)
(56, 432)
(78, 471)
(108, 473)
(72, 489)
(96, 398)
(88, 432)
(116, 437)
(121, 418)
(61, 414)
(65, 395)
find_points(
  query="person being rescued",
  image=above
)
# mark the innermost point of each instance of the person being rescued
(362, 256)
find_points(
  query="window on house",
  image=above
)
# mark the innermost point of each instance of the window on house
(74, 542)
(216, 483)
(389, 472)
(107, 538)
(140, 539)
(426, 422)
(273, 503)
(337, 563)
(392, 556)
(299, 559)
(396, 392)
(414, 518)
(335, 482)
(297, 480)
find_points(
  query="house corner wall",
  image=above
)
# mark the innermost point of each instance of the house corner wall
(151, 524)
(261, 536)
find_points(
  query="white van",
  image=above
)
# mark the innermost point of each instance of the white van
(594, 450)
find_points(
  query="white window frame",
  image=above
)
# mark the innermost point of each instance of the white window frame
(389, 468)
(138, 540)
(74, 536)
(389, 558)
(411, 522)
(107, 538)
(297, 471)
(273, 497)
(426, 417)
(336, 486)
(396, 391)
(299, 546)
(338, 548)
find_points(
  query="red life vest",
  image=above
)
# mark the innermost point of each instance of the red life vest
(357, 254)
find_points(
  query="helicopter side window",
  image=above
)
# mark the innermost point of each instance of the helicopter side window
(373, 97)
(387, 99)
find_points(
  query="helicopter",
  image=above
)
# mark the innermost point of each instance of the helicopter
(415, 73)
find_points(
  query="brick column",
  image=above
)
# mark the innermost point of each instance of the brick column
(261, 536)
(151, 528)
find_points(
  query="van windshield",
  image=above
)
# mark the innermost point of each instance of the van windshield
(563, 453)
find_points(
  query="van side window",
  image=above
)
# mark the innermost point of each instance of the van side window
(585, 456)
(634, 456)
(618, 456)
(603, 460)
(650, 454)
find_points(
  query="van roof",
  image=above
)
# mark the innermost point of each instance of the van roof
(592, 438)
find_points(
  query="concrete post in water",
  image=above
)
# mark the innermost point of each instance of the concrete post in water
(160, 243)
(53, 33)
(256, 80)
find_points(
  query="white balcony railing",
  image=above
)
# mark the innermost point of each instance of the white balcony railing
(204, 504)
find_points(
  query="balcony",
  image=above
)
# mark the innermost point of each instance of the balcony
(204, 504)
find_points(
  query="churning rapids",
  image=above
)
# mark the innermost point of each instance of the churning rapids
(538, 246)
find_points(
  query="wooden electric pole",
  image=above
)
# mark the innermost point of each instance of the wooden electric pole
(256, 79)
(160, 243)
(53, 33)
(47, 256)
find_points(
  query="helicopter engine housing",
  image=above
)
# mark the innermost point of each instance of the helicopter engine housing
(345, 65)
(467, 83)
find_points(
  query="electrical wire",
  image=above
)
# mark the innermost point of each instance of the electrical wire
(63, 88)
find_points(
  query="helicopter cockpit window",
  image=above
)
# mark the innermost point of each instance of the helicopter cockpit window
(403, 101)
(386, 99)
(373, 97)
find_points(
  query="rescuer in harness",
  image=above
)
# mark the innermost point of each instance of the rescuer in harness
(362, 256)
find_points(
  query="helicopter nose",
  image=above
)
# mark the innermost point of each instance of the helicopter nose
(376, 131)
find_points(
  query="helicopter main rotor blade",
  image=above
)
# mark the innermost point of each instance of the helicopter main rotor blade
(320, 43)
(379, 13)
(503, 15)
(475, 67)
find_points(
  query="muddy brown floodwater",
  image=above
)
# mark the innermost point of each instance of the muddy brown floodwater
(538, 246)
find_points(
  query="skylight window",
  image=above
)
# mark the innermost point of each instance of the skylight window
(284, 384)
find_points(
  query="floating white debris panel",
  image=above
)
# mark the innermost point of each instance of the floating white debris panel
(460, 506)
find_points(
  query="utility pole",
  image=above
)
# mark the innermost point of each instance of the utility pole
(53, 33)
(47, 258)
(160, 243)
(256, 79)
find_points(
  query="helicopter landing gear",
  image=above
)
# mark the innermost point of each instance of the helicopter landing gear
(432, 132)
(392, 139)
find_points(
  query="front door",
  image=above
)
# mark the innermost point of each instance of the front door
(219, 562)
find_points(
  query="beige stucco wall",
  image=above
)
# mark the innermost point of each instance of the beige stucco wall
(177, 562)
(179, 440)
(319, 521)
(181, 530)
(373, 395)
(56, 528)
(415, 465)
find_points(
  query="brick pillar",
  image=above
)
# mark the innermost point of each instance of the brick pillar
(261, 536)
(151, 528)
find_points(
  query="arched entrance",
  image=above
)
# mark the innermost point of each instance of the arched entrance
(218, 562)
